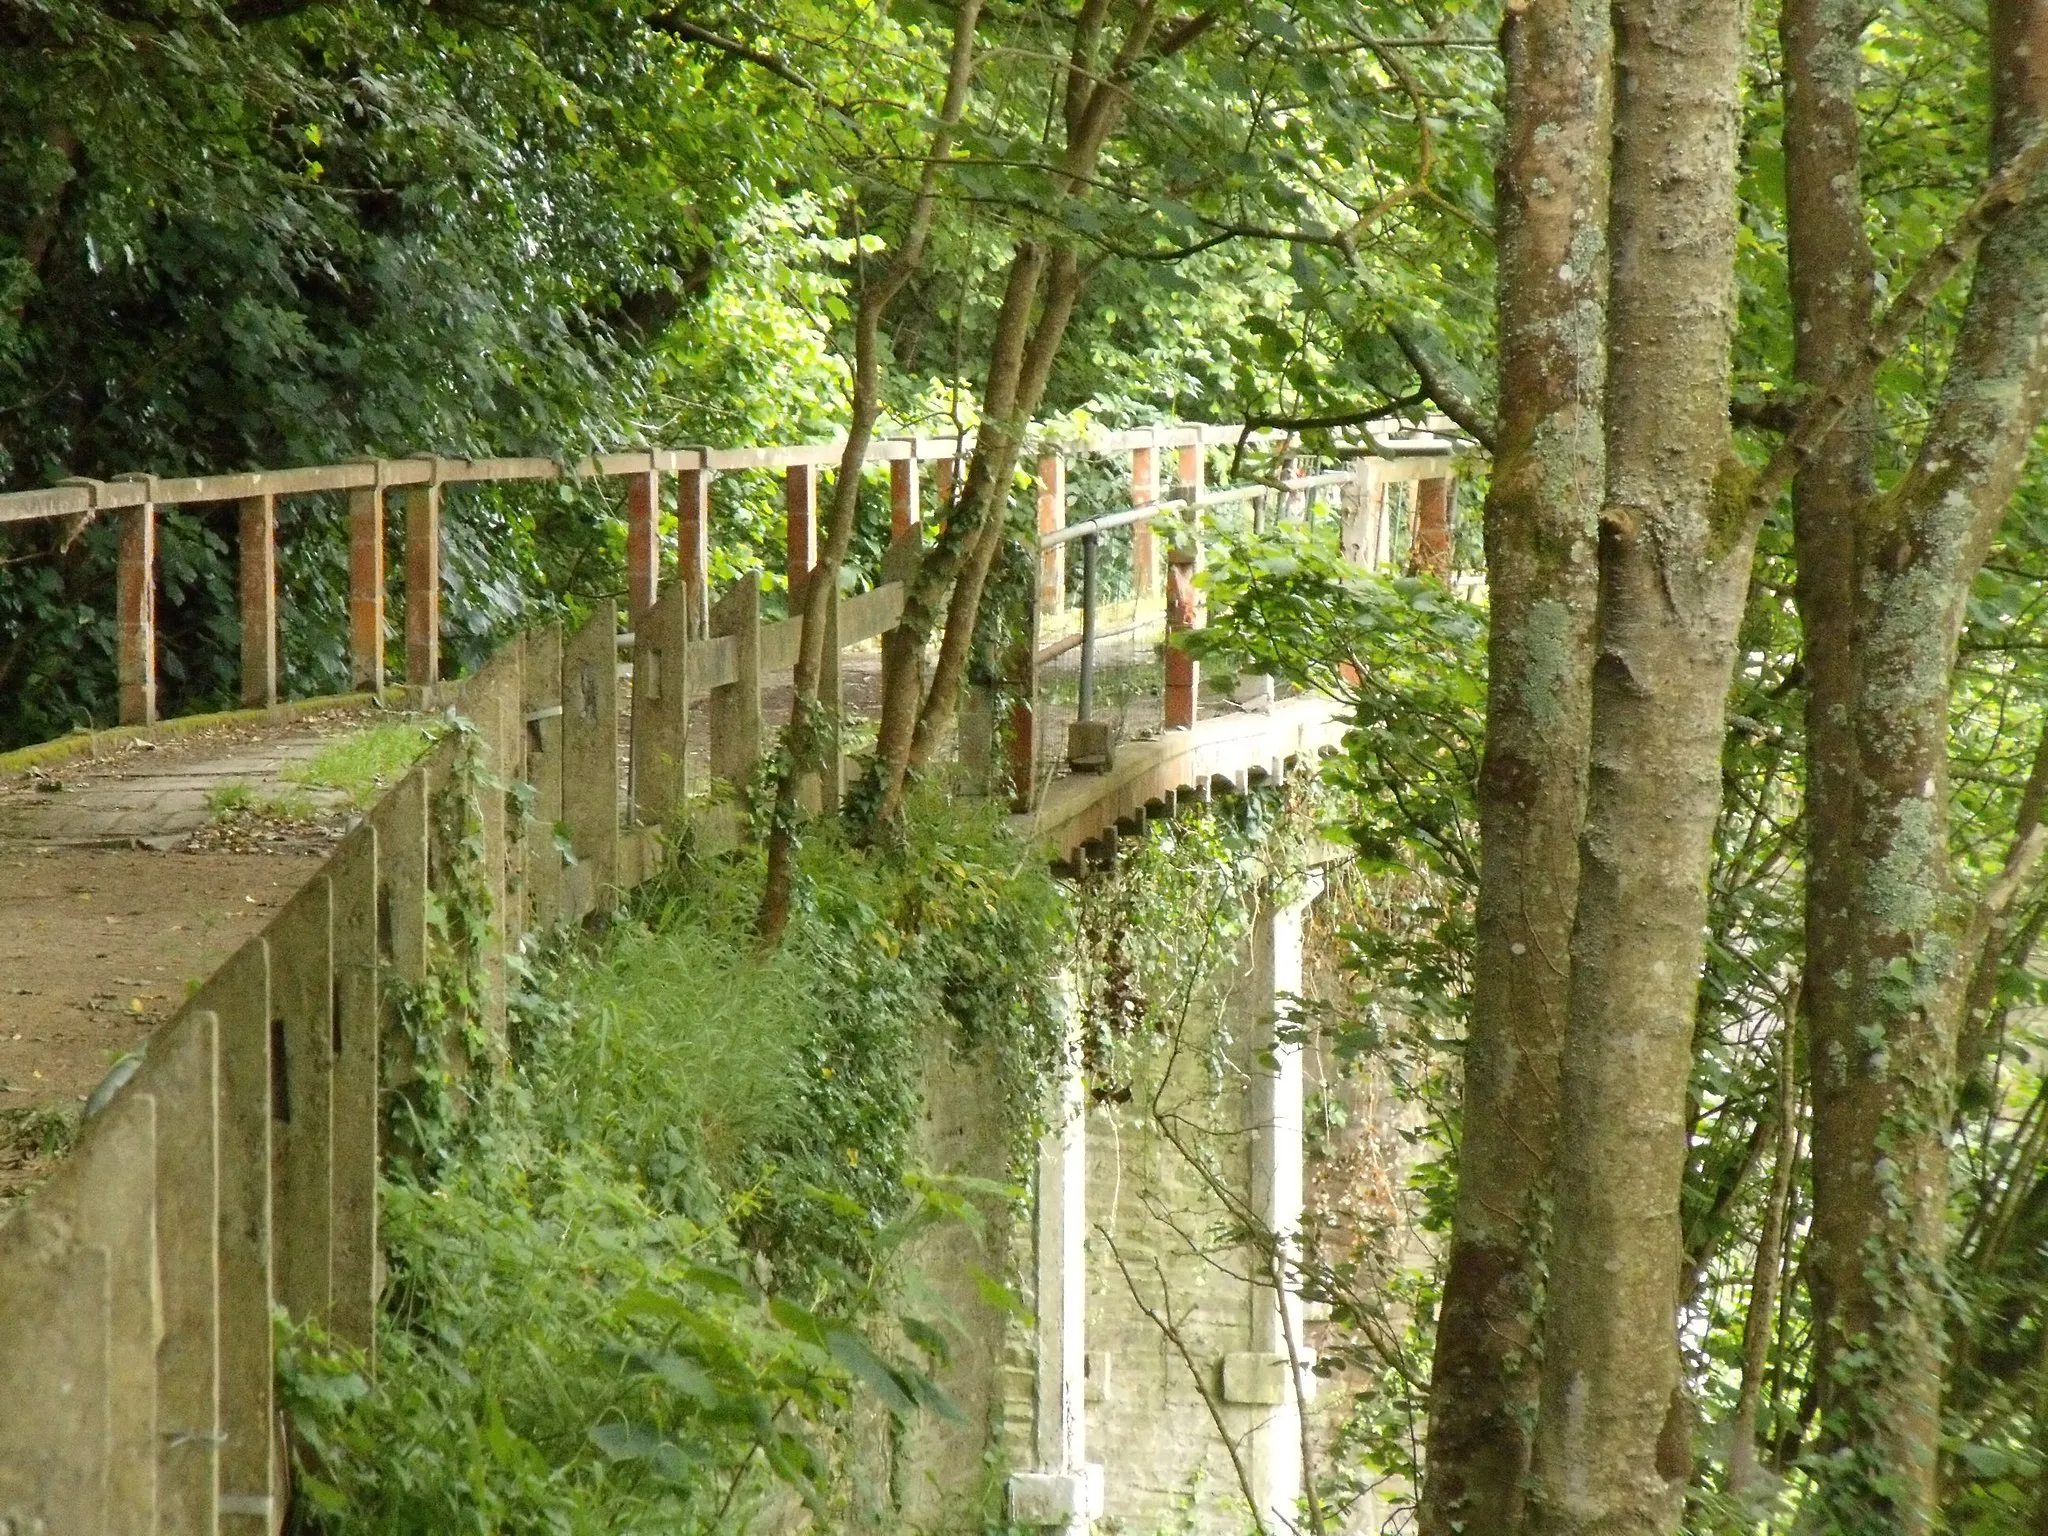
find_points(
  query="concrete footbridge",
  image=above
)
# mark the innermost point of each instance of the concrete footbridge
(231, 1164)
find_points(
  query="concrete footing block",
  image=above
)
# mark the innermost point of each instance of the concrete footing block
(1056, 1498)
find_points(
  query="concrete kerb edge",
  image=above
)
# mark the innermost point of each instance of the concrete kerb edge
(84, 743)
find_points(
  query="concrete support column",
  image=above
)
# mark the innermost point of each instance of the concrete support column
(1052, 516)
(800, 501)
(257, 541)
(693, 546)
(1144, 542)
(1282, 1359)
(643, 544)
(1063, 1492)
(135, 615)
(904, 511)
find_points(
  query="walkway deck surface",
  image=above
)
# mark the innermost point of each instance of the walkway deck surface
(128, 876)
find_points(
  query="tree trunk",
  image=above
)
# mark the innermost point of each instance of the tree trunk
(914, 715)
(1883, 1064)
(1611, 1453)
(1062, 291)
(802, 753)
(927, 602)
(1541, 552)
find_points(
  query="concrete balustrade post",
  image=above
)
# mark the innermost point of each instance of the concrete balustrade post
(135, 615)
(693, 546)
(301, 941)
(1144, 540)
(1430, 552)
(1358, 535)
(356, 1112)
(736, 706)
(257, 557)
(1274, 1111)
(239, 995)
(643, 544)
(541, 700)
(423, 585)
(904, 511)
(181, 1070)
(661, 710)
(366, 585)
(1183, 672)
(590, 760)
(78, 1336)
(800, 503)
(1052, 517)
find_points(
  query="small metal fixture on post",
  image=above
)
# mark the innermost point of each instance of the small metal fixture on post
(1089, 749)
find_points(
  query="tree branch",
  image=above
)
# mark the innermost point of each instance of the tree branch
(1823, 411)
(673, 25)
(1448, 397)
(1769, 414)
(1358, 418)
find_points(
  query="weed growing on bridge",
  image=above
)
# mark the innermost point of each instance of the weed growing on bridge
(363, 764)
(653, 1277)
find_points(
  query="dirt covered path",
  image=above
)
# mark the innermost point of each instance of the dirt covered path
(127, 873)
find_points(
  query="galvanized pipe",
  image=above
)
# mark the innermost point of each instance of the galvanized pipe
(1088, 549)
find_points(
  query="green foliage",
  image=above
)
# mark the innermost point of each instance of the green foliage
(363, 764)
(649, 1276)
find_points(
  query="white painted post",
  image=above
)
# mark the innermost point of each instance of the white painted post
(1274, 1109)
(1064, 1492)
(1360, 537)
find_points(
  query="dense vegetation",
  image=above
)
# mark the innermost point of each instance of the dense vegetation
(666, 1270)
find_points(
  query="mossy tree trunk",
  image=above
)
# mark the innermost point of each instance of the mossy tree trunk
(1541, 543)
(1891, 970)
(1675, 543)
(1099, 78)
(802, 747)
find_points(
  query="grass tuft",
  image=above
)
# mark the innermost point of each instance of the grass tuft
(365, 763)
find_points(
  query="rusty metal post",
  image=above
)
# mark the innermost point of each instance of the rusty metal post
(1052, 516)
(1144, 543)
(366, 585)
(693, 546)
(904, 511)
(1429, 553)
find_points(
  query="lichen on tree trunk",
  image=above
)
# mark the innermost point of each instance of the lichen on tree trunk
(1541, 514)
(1887, 960)
(1610, 1452)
